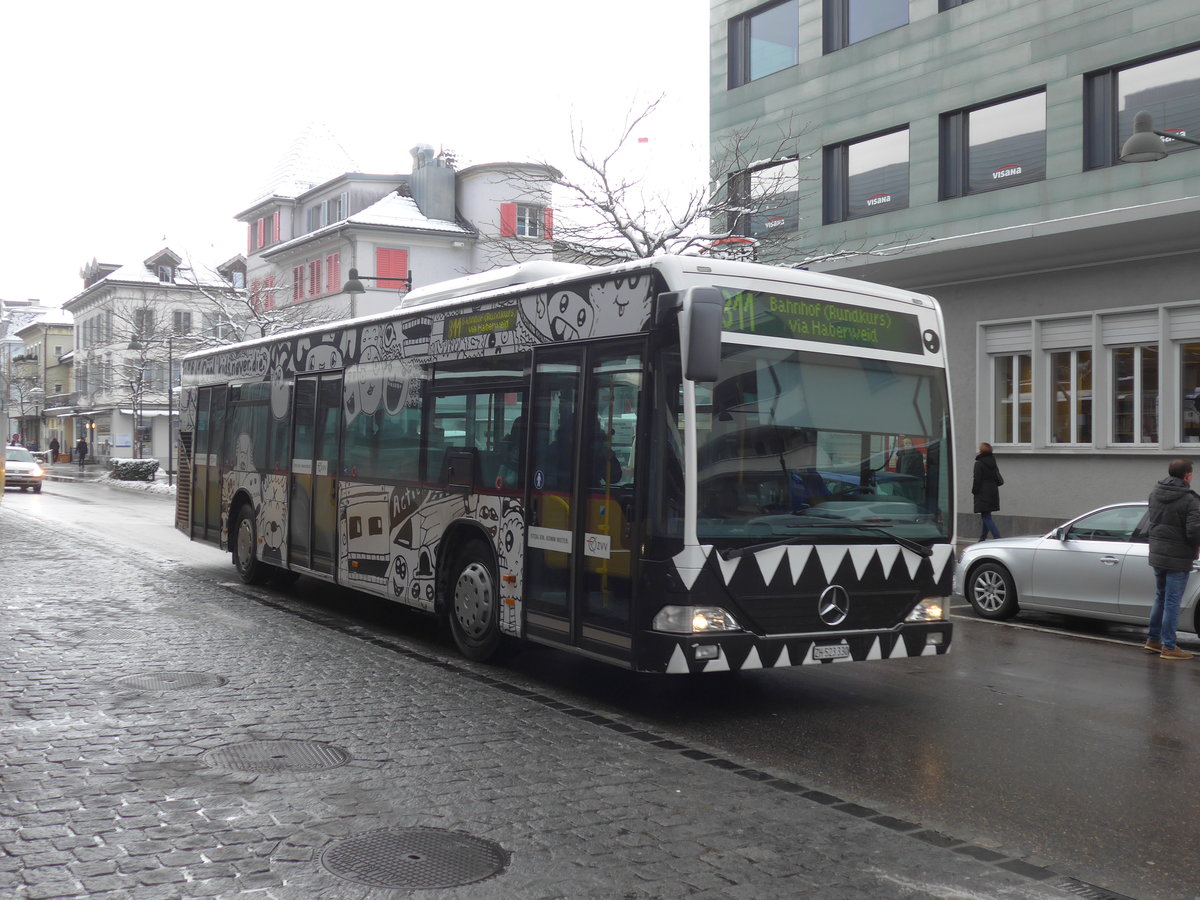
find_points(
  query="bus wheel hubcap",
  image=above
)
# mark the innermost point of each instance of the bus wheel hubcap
(473, 600)
(244, 537)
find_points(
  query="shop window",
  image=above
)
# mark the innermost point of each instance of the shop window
(1189, 391)
(1071, 397)
(988, 148)
(1013, 406)
(1135, 395)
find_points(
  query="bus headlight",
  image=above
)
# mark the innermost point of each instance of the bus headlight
(931, 609)
(694, 620)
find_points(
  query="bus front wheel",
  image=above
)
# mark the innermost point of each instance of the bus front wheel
(475, 603)
(245, 540)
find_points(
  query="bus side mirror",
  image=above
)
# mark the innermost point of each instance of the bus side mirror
(701, 314)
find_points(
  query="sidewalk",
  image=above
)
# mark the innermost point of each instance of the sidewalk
(92, 471)
(170, 738)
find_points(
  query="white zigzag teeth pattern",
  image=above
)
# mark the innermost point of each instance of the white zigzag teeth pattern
(689, 562)
(678, 664)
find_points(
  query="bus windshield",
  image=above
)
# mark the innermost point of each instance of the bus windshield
(811, 446)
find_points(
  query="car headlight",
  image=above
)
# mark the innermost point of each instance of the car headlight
(930, 609)
(37, 472)
(694, 620)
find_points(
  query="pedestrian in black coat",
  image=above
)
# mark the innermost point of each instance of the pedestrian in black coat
(986, 487)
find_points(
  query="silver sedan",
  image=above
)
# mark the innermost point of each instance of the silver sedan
(1093, 566)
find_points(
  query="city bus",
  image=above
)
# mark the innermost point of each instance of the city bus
(674, 465)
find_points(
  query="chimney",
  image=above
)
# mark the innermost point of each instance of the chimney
(433, 183)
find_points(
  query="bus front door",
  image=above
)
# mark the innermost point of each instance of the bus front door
(312, 532)
(581, 534)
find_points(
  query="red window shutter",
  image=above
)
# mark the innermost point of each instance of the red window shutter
(508, 220)
(275, 227)
(333, 273)
(297, 283)
(314, 278)
(255, 299)
(549, 224)
(262, 232)
(391, 264)
(269, 293)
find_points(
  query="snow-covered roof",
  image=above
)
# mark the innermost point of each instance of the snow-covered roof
(392, 211)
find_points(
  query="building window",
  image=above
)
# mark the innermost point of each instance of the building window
(850, 21)
(1012, 379)
(297, 283)
(766, 199)
(866, 177)
(182, 321)
(238, 280)
(166, 274)
(992, 147)
(764, 41)
(314, 278)
(391, 269)
(333, 273)
(944, 5)
(1135, 395)
(143, 322)
(529, 220)
(1167, 88)
(1071, 397)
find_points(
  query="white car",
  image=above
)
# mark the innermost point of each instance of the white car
(22, 470)
(1093, 566)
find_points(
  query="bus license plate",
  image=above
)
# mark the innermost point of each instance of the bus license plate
(831, 651)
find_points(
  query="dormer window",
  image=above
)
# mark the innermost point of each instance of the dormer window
(166, 274)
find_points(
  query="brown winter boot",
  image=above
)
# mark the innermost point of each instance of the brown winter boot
(1175, 653)
(1152, 646)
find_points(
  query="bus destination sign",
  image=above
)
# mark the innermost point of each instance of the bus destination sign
(777, 315)
(481, 323)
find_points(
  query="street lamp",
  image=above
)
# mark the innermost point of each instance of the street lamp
(1146, 144)
(355, 286)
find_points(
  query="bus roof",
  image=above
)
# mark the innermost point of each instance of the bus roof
(678, 271)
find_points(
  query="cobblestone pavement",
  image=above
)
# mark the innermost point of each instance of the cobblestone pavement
(168, 739)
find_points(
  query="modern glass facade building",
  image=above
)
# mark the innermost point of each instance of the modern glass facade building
(971, 149)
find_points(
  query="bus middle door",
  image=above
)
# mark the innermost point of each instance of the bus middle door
(315, 464)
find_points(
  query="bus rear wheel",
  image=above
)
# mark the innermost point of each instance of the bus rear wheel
(475, 603)
(245, 541)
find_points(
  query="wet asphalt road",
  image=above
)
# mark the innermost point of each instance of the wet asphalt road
(1058, 738)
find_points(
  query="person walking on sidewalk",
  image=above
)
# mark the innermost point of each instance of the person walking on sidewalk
(54, 445)
(986, 487)
(1174, 529)
(81, 450)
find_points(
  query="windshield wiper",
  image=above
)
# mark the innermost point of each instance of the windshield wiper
(919, 549)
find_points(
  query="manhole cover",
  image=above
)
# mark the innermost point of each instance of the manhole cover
(169, 681)
(414, 858)
(108, 634)
(277, 756)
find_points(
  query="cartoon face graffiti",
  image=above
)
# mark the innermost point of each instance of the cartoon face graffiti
(569, 316)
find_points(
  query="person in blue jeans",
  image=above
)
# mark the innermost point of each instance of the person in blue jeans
(1174, 532)
(985, 486)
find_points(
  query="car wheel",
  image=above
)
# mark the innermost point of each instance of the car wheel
(37, 488)
(245, 540)
(991, 591)
(475, 603)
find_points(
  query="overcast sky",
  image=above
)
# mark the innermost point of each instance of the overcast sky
(134, 125)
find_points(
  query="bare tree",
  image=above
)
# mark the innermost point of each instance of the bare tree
(229, 314)
(749, 206)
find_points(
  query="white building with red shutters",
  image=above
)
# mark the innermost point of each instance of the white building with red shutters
(398, 231)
